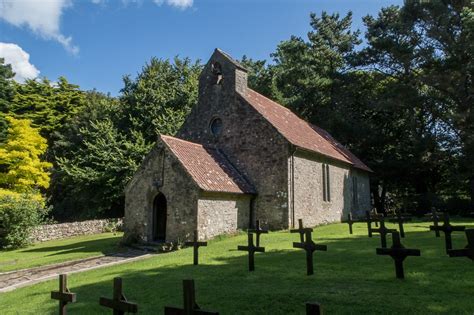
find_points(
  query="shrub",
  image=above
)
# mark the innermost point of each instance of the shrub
(18, 215)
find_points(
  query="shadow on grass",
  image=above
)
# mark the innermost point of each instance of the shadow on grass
(349, 279)
(105, 246)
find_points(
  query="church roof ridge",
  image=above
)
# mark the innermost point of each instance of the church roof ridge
(232, 60)
(182, 140)
(208, 167)
(299, 132)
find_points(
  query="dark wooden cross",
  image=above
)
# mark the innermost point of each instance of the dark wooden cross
(63, 295)
(369, 222)
(447, 228)
(400, 219)
(435, 217)
(313, 309)
(350, 221)
(258, 230)
(190, 305)
(195, 244)
(465, 252)
(301, 230)
(398, 253)
(383, 231)
(309, 246)
(119, 303)
(251, 249)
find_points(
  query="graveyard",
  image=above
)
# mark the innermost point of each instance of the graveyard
(59, 251)
(348, 278)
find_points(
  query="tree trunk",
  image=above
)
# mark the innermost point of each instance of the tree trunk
(379, 196)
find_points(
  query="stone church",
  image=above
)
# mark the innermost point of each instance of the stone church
(239, 157)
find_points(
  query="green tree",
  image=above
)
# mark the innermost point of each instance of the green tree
(260, 77)
(47, 104)
(21, 167)
(93, 177)
(6, 95)
(424, 48)
(159, 99)
(309, 74)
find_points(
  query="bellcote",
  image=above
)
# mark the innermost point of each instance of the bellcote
(222, 75)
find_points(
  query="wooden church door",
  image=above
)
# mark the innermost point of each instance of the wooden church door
(159, 218)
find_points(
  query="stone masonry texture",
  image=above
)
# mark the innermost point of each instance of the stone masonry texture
(287, 179)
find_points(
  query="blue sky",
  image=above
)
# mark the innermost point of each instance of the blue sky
(93, 43)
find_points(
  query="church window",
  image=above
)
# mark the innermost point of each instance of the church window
(216, 126)
(326, 183)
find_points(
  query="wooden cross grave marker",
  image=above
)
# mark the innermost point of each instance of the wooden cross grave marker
(301, 230)
(383, 231)
(447, 228)
(119, 303)
(350, 221)
(258, 230)
(309, 246)
(369, 223)
(400, 219)
(251, 248)
(195, 244)
(433, 215)
(190, 305)
(465, 252)
(63, 295)
(398, 252)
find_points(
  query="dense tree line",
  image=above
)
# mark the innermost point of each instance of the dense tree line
(403, 100)
(400, 97)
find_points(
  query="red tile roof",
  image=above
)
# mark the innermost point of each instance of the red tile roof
(301, 133)
(208, 167)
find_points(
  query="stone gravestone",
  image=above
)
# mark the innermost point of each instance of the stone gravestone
(465, 252)
(398, 253)
(301, 230)
(119, 303)
(251, 249)
(195, 244)
(190, 306)
(447, 228)
(309, 246)
(64, 296)
(383, 231)
(258, 230)
(400, 219)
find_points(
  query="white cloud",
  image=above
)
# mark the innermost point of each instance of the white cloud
(20, 61)
(182, 4)
(42, 17)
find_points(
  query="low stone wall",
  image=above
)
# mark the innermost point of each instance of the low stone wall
(64, 230)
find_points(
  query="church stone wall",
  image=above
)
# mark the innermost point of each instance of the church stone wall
(223, 214)
(307, 189)
(160, 172)
(362, 201)
(249, 141)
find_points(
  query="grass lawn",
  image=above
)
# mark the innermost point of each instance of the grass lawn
(57, 251)
(349, 278)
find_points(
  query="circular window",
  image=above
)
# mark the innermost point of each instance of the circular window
(216, 126)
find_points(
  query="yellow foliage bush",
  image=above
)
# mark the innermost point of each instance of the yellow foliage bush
(21, 169)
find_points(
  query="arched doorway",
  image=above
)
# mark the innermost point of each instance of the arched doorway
(159, 218)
